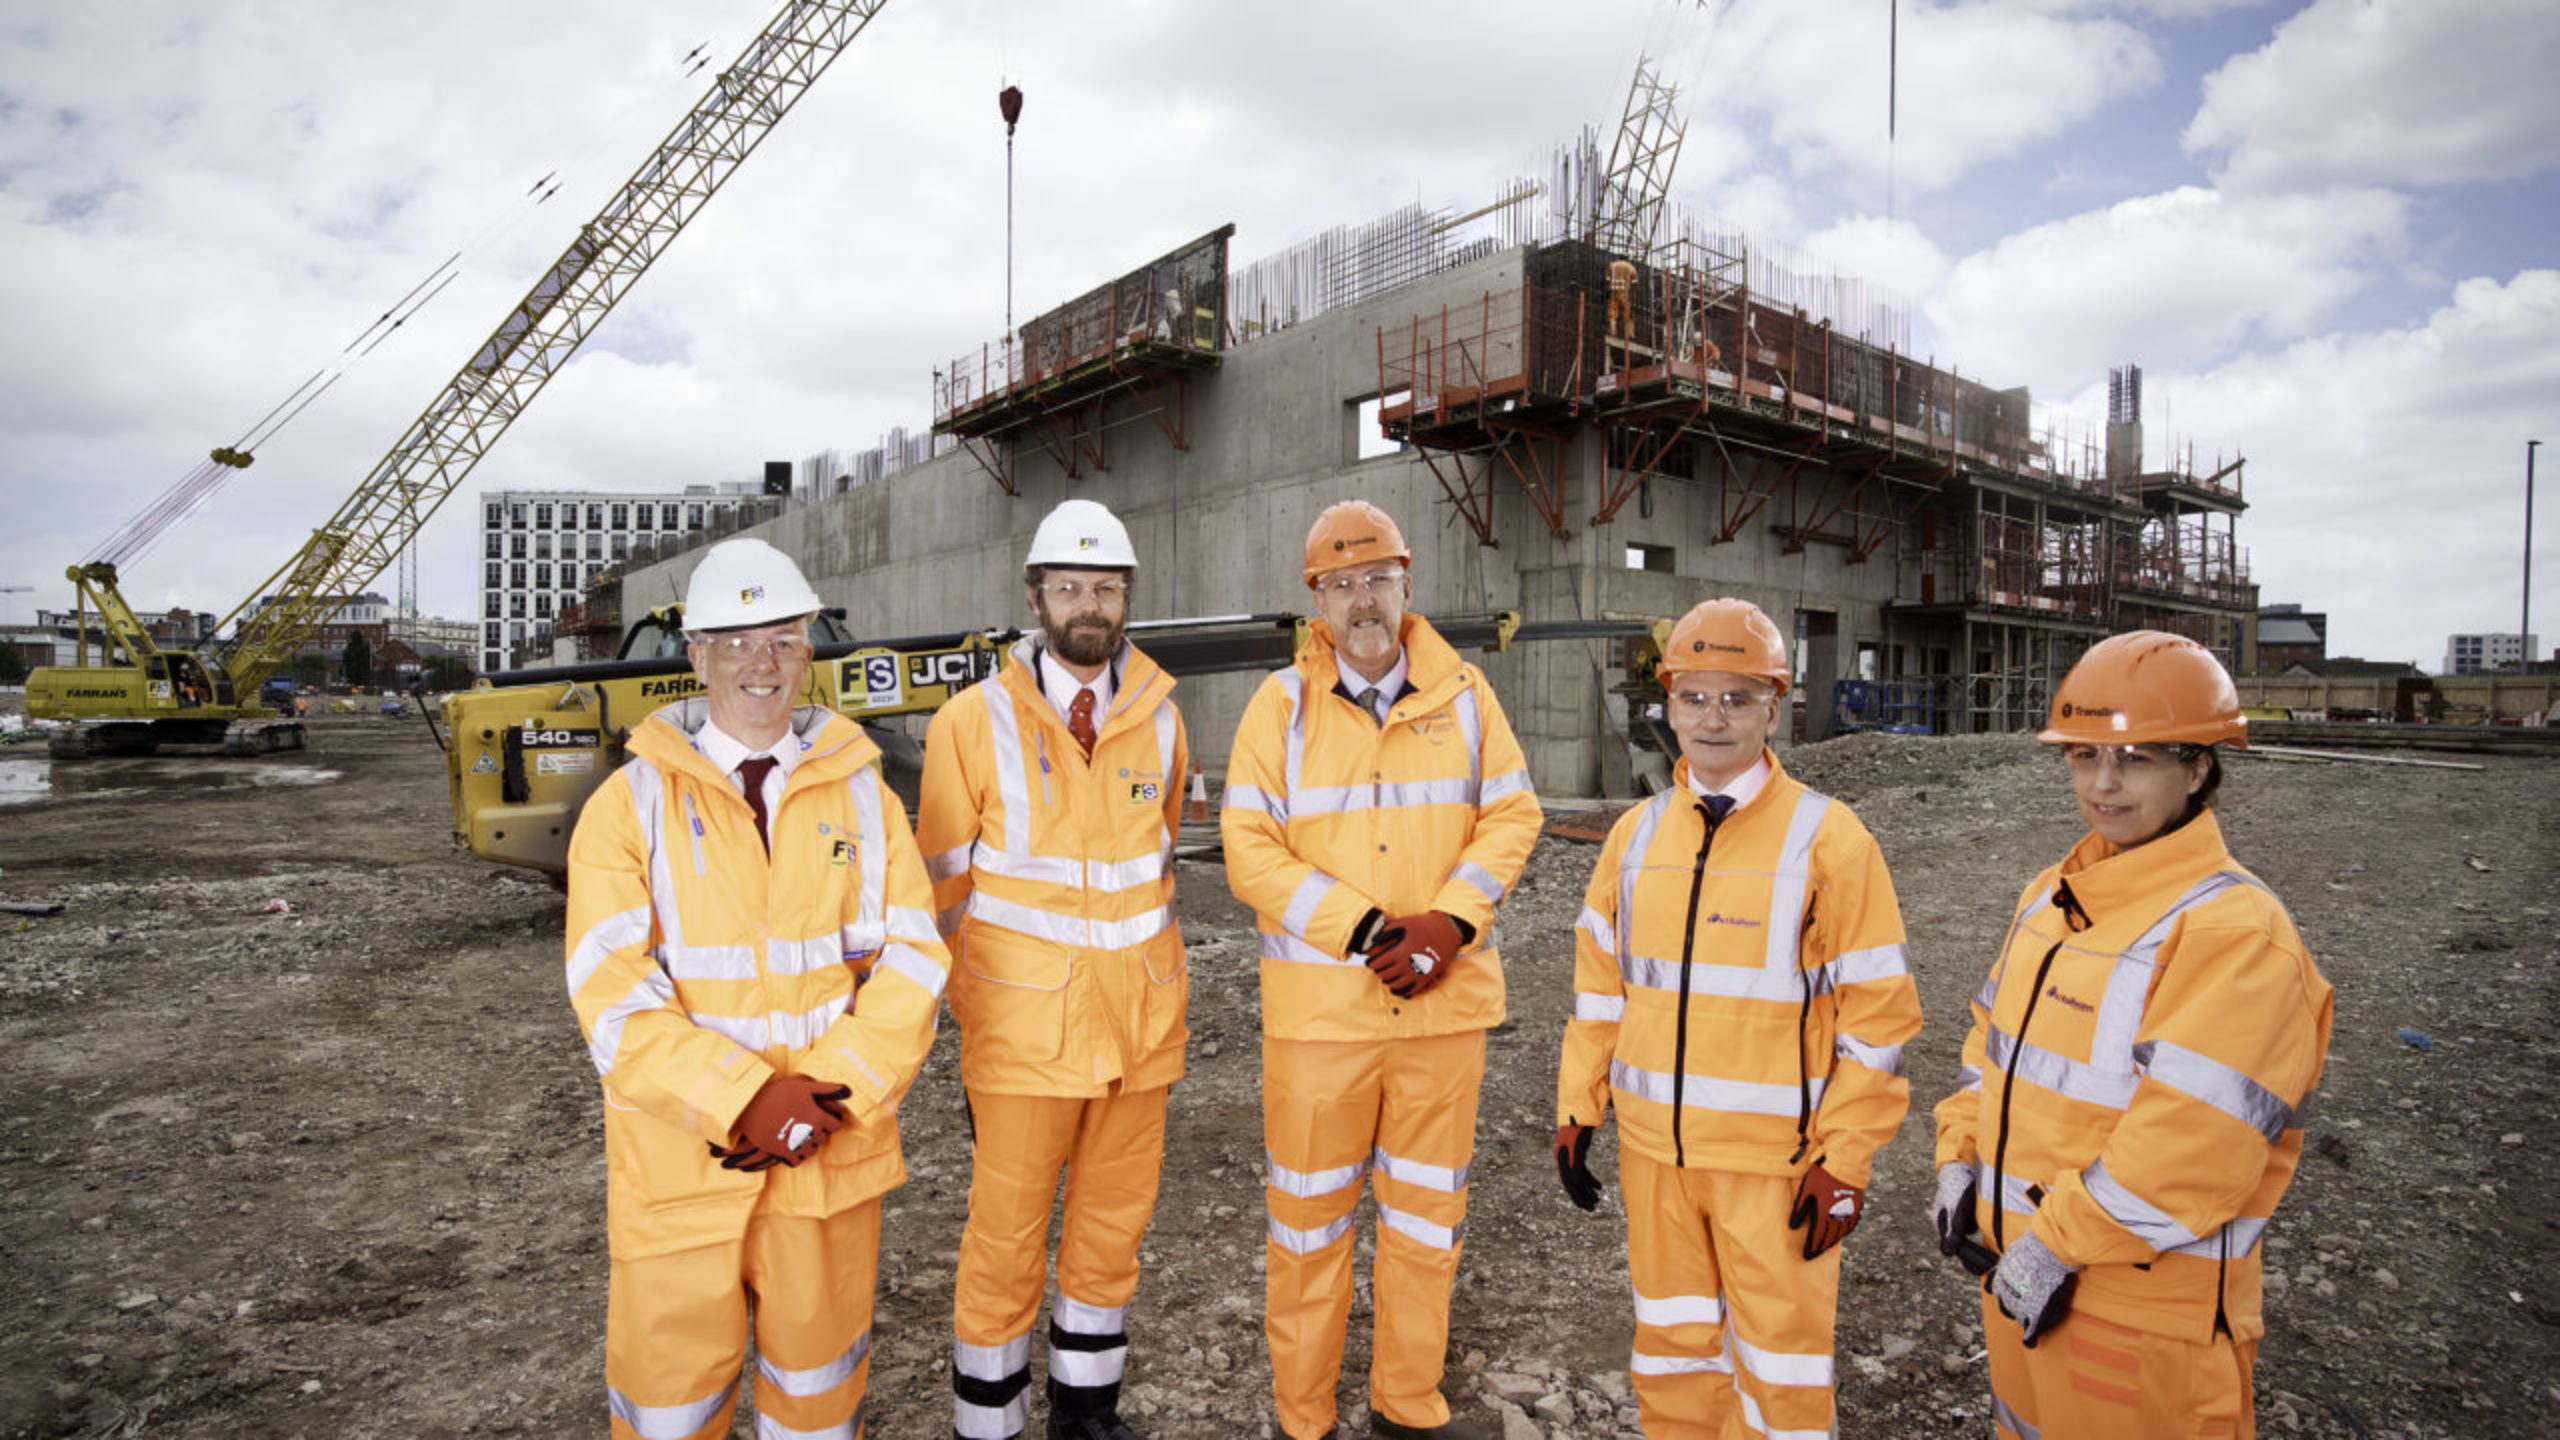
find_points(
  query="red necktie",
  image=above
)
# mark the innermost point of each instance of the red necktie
(1080, 721)
(752, 772)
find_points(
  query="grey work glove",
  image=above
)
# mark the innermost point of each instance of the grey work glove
(1952, 1209)
(2032, 1287)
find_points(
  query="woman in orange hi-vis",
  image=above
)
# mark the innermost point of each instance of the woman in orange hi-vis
(2130, 1103)
(1742, 995)
(752, 955)
(1377, 810)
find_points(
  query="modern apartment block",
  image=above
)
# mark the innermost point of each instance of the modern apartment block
(2483, 654)
(538, 547)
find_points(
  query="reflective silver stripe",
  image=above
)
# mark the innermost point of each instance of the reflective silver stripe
(1384, 795)
(1470, 727)
(1608, 1008)
(1643, 1364)
(1597, 926)
(746, 1034)
(991, 1422)
(2203, 1078)
(1041, 869)
(1298, 952)
(871, 910)
(1013, 785)
(948, 921)
(1416, 1173)
(1304, 902)
(954, 861)
(2244, 1233)
(818, 1379)
(1087, 1368)
(2129, 986)
(914, 926)
(1670, 1310)
(800, 1029)
(1730, 982)
(1166, 723)
(1509, 782)
(2011, 1421)
(1789, 887)
(1777, 1367)
(708, 962)
(1253, 801)
(613, 932)
(768, 1428)
(667, 1422)
(1631, 865)
(1308, 1242)
(992, 1362)
(1294, 734)
(653, 991)
(1989, 993)
(1078, 1318)
(2013, 1193)
(1420, 1231)
(2069, 1078)
(1881, 962)
(1073, 930)
(1969, 1077)
(798, 957)
(1759, 1424)
(1481, 878)
(1307, 1184)
(648, 802)
(1709, 1092)
(2146, 1222)
(1882, 1059)
(915, 965)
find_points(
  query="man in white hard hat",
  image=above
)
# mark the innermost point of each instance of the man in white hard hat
(752, 955)
(1052, 794)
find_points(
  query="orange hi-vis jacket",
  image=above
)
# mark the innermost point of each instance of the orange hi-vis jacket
(1328, 814)
(700, 970)
(1053, 882)
(2132, 1087)
(1742, 996)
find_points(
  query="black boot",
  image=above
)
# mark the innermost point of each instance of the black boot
(1382, 1428)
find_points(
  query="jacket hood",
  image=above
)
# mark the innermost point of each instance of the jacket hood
(2102, 876)
(1430, 662)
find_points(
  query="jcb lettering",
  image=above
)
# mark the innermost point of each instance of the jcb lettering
(955, 668)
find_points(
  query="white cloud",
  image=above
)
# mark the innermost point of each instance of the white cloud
(1895, 256)
(2389, 92)
(2173, 280)
(2386, 469)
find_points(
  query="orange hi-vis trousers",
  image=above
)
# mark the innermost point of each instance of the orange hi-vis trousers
(1333, 1111)
(1112, 1148)
(1733, 1324)
(676, 1330)
(2093, 1377)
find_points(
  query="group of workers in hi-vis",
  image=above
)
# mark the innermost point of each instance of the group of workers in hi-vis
(758, 948)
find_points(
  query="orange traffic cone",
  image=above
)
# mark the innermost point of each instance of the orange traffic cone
(1196, 810)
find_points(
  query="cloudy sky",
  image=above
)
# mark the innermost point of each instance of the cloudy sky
(2325, 230)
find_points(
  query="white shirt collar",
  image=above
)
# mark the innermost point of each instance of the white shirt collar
(1745, 786)
(727, 752)
(1393, 682)
(1061, 687)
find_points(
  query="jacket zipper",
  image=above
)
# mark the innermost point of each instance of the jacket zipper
(1688, 943)
(2070, 907)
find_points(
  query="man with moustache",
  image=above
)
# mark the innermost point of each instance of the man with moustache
(1051, 800)
(1377, 810)
(1741, 998)
(753, 960)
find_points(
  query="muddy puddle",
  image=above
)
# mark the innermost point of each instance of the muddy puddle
(25, 779)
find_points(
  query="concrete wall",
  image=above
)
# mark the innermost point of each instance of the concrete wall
(1219, 530)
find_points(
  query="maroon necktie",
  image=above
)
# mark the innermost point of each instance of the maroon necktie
(1080, 721)
(752, 772)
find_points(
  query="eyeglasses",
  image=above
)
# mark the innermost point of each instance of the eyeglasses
(1731, 702)
(1070, 592)
(1343, 587)
(2126, 759)
(785, 648)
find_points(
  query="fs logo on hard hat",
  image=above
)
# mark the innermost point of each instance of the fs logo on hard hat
(750, 595)
(1088, 542)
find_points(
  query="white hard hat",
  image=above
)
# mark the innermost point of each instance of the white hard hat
(745, 582)
(1080, 534)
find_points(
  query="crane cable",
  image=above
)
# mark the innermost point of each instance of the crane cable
(142, 533)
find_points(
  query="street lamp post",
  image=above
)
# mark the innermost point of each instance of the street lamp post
(2524, 627)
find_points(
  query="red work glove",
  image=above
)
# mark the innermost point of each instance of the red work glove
(1411, 953)
(1573, 1166)
(1826, 1210)
(787, 1121)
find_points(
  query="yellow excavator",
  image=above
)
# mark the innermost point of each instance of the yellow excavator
(136, 696)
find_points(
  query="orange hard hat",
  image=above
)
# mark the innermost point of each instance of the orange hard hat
(1353, 532)
(2146, 687)
(1726, 634)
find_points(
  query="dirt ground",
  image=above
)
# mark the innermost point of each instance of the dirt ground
(338, 1172)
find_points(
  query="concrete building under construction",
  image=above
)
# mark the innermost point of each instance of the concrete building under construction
(1927, 541)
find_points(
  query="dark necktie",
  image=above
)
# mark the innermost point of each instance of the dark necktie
(1080, 721)
(1374, 700)
(751, 773)
(1718, 807)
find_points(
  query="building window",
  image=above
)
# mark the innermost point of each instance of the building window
(490, 575)
(595, 545)
(542, 547)
(515, 632)
(492, 548)
(542, 607)
(693, 517)
(515, 606)
(568, 577)
(1658, 558)
(542, 517)
(648, 517)
(491, 606)
(515, 547)
(493, 515)
(667, 516)
(621, 546)
(492, 634)
(568, 517)
(621, 517)
(515, 577)
(542, 577)
(595, 517)
(515, 515)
